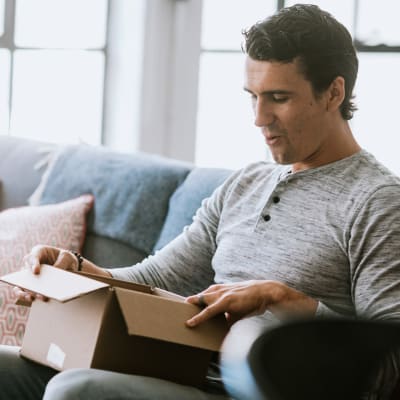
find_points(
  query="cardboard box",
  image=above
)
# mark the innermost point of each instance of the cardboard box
(95, 322)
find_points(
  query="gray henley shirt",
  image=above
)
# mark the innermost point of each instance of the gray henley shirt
(331, 232)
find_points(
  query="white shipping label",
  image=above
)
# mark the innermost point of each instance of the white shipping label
(55, 356)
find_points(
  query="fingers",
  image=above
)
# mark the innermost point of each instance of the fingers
(39, 255)
(197, 299)
(247, 298)
(209, 295)
(59, 258)
(66, 260)
(204, 298)
(237, 300)
(207, 313)
(211, 299)
(42, 255)
(25, 297)
(31, 261)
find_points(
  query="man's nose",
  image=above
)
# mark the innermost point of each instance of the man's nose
(263, 114)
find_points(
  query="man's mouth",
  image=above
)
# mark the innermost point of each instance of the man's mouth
(272, 135)
(271, 140)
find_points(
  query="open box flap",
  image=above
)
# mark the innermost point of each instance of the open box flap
(140, 287)
(168, 295)
(53, 283)
(163, 318)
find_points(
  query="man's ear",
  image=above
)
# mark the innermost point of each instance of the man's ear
(336, 93)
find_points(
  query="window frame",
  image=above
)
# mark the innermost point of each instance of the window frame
(162, 93)
(7, 42)
(158, 94)
(360, 47)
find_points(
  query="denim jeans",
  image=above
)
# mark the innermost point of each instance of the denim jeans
(26, 380)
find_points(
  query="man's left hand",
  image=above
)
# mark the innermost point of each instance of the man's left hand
(248, 298)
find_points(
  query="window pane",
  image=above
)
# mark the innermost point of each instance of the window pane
(1, 17)
(4, 90)
(57, 95)
(61, 23)
(226, 135)
(224, 20)
(378, 22)
(342, 10)
(376, 124)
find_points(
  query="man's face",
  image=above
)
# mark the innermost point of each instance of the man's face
(291, 118)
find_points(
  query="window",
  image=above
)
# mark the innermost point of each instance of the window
(166, 76)
(377, 23)
(225, 134)
(52, 59)
(4, 89)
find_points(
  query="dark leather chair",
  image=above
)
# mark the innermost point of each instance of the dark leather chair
(311, 360)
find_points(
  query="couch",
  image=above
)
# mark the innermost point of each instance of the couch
(141, 202)
(183, 187)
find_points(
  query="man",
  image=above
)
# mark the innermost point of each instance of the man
(315, 235)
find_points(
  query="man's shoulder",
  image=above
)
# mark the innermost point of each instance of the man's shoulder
(368, 172)
(367, 180)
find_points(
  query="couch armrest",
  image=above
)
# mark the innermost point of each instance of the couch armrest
(18, 175)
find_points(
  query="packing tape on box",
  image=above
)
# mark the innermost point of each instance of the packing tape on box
(55, 356)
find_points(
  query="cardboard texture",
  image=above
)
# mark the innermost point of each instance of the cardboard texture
(47, 283)
(115, 325)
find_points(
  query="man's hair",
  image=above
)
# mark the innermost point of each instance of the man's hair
(322, 45)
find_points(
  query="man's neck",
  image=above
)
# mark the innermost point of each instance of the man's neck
(339, 144)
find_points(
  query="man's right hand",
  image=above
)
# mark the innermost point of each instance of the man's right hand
(54, 256)
(58, 258)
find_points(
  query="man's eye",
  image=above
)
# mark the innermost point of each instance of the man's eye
(279, 98)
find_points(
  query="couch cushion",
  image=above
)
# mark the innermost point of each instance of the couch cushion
(61, 225)
(18, 175)
(131, 190)
(198, 185)
(110, 253)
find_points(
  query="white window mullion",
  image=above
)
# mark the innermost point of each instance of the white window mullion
(184, 81)
(157, 56)
(7, 42)
(123, 74)
(170, 78)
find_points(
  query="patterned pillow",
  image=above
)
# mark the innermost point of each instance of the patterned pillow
(61, 225)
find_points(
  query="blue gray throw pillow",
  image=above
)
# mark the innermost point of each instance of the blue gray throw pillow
(199, 184)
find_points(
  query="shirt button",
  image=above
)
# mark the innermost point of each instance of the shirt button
(266, 217)
(276, 199)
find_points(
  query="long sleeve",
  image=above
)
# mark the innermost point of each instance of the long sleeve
(375, 263)
(184, 266)
(374, 256)
(332, 233)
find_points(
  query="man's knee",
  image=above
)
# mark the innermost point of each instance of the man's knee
(21, 378)
(93, 384)
(70, 384)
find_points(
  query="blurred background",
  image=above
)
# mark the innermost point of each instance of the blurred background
(166, 76)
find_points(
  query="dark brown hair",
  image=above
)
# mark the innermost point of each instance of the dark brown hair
(323, 46)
